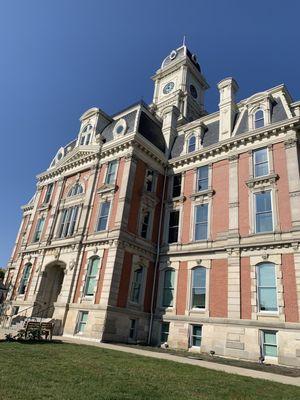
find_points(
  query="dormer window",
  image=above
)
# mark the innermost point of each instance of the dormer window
(192, 144)
(86, 135)
(259, 120)
(75, 190)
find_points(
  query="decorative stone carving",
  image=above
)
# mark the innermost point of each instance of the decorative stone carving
(262, 180)
(72, 264)
(265, 256)
(290, 143)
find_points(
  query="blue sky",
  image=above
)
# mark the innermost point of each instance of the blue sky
(61, 57)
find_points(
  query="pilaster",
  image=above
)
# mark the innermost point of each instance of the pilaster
(233, 232)
(234, 290)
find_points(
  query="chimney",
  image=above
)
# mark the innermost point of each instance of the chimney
(227, 88)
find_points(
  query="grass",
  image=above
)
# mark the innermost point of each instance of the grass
(69, 371)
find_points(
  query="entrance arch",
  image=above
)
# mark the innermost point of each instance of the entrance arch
(50, 288)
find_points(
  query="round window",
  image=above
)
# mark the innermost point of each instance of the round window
(120, 129)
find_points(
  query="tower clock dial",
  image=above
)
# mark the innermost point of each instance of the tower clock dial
(168, 87)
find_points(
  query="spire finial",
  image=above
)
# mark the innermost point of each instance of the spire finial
(183, 41)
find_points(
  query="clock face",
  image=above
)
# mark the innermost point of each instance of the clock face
(168, 87)
(193, 91)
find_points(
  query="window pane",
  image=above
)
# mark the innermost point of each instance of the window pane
(165, 326)
(263, 202)
(202, 178)
(270, 351)
(199, 277)
(264, 222)
(261, 169)
(201, 232)
(270, 338)
(94, 267)
(91, 282)
(168, 297)
(266, 275)
(201, 213)
(169, 279)
(192, 144)
(173, 227)
(260, 155)
(176, 185)
(267, 299)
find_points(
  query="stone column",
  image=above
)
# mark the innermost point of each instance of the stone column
(293, 180)
(234, 290)
(297, 273)
(233, 232)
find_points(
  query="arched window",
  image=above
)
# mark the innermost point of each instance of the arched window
(198, 287)
(136, 286)
(25, 278)
(266, 287)
(91, 276)
(168, 290)
(192, 144)
(259, 119)
(75, 190)
(87, 128)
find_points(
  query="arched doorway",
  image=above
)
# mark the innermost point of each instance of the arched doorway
(50, 288)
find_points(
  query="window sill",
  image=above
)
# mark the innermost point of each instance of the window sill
(107, 187)
(203, 193)
(261, 180)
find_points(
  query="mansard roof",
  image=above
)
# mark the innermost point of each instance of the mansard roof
(178, 55)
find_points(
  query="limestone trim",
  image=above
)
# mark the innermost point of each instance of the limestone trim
(256, 314)
(191, 265)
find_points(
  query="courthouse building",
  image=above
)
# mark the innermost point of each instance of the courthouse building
(163, 223)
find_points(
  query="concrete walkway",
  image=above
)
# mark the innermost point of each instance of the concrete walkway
(288, 380)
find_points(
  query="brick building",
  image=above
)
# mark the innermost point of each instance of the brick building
(164, 223)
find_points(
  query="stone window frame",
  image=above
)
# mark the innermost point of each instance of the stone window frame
(43, 217)
(120, 123)
(89, 261)
(163, 267)
(209, 190)
(137, 262)
(261, 333)
(256, 314)
(169, 208)
(117, 160)
(263, 102)
(274, 205)
(203, 312)
(252, 178)
(62, 208)
(145, 208)
(170, 186)
(103, 199)
(90, 254)
(200, 200)
(78, 319)
(27, 265)
(191, 347)
(154, 182)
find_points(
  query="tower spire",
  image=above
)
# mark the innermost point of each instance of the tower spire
(183, 41)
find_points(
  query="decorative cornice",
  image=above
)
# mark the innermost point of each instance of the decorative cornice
(292, 142)
(262, 180)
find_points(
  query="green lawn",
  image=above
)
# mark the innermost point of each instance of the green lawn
(67, 371)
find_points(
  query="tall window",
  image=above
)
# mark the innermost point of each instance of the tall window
(201, 222)
(111, 172)
(91, 276)
(196, 335)
(192, 144)
(38, 229)
(173, 227)
(164, 334)
(149, 182)
(68, 221)
(176, 190)
(168, 290)
(75, 190)
(202, 178)
(266, 287)
(263, 212)
(259, 119)
(260, 162)
(145, 224)
(269, 343)
(48, 193)
(25, 279)
(198, 287)
(103, 216)
(136, 285)
(132, 329)
(81, 321)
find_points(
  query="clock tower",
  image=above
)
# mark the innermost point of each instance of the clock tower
(180, 83)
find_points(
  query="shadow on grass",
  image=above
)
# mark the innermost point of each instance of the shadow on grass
(32, 342)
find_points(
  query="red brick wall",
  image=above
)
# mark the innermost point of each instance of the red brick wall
(138, 186)
(245, 288)
(182, 282)
(218, 290)
(186, 217)
(101, 277)
(220, 200)
(125, 280)
(289, 288)
(243, 171)
(280, 167)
